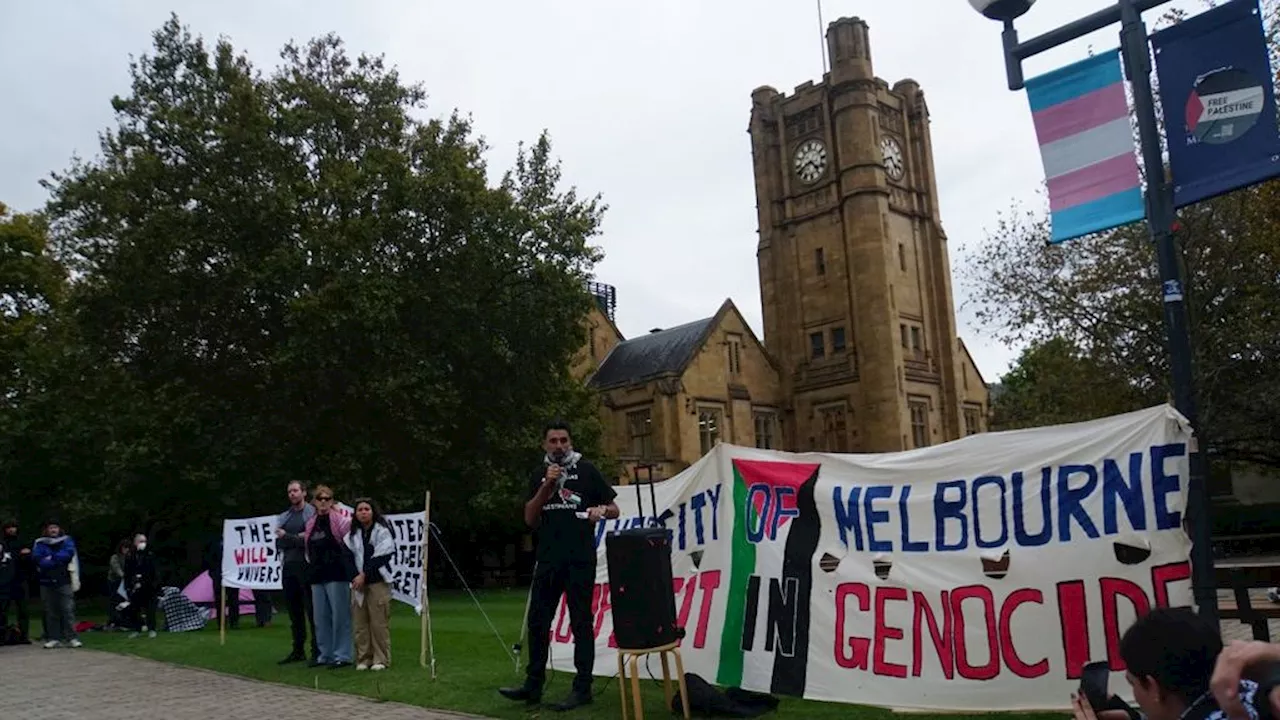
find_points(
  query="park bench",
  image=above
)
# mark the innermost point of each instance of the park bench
(1242, 575)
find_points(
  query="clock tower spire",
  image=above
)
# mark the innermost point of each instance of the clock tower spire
(854, 274)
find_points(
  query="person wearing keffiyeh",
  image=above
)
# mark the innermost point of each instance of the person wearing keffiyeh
(566, 497)
(1178, 670)
(372, 547)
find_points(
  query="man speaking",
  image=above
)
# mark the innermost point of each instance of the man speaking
(567, 497)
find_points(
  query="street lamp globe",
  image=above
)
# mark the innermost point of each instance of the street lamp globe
(1002, 10)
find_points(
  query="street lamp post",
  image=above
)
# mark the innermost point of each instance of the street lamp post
(1160, 218)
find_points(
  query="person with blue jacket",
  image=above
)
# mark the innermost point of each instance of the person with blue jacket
(53, 555)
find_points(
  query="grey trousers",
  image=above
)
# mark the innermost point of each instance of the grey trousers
(59, 612)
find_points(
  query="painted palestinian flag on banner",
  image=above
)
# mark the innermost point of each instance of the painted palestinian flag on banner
(1224, 106)
(765, 642)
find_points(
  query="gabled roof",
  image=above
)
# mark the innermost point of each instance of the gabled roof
(666, 352)
(969, 355)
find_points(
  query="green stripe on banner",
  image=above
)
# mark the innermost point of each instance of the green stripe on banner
(742, 563)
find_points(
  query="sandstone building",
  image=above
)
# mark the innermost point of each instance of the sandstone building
(860, 352)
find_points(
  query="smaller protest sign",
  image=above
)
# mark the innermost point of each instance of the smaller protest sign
(408, 529)
(249, 557)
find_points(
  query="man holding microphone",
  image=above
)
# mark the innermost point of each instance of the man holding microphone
(567, 497)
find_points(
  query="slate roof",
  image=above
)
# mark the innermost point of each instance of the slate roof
(653, 355)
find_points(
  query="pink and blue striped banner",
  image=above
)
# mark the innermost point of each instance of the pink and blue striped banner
(1086, 144)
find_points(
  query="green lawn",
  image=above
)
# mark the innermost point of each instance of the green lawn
(470, 664)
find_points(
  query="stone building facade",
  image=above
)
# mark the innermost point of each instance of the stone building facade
(860, 351)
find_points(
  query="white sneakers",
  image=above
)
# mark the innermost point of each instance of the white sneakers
(56, 644)
(76, 643)
(362, 666)
(376, 667)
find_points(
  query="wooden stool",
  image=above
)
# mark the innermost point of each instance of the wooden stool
(634, 656)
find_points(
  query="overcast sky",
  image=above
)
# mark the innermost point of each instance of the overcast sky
(647, 106)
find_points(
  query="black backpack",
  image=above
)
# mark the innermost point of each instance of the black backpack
(706, 700)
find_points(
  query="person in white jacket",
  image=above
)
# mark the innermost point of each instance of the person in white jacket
(373, 547)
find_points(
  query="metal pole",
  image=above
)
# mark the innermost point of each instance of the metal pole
(1160, 218)
(1015, 52)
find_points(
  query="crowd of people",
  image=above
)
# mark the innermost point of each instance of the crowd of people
(336, 582)
(336, 574)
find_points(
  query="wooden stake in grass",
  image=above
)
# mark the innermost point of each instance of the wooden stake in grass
(426, 641)
(222, 616)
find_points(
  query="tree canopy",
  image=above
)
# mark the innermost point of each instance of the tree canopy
(296, 274)
(1092, 309)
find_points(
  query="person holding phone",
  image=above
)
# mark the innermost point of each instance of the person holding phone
(1178, 670)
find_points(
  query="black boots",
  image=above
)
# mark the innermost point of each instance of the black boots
(576, 699)
(526, 693)
(532, 695)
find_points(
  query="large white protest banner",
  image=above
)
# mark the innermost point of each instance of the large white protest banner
(249, 557)
(978, 575)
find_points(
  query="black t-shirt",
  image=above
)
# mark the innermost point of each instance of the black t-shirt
(327, 563)
(562, 536)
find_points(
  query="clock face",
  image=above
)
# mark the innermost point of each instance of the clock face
(894, 164)
(811, 160)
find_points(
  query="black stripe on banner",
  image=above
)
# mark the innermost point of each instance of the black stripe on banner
(789, 598)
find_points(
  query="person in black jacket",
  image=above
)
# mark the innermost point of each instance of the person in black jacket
(566, 497)
(13, 594)
(140, 582)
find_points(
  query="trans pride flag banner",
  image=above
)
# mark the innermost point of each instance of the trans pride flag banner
(980, 575)
(1086, 144)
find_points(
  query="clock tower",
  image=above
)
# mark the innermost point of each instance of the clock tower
(855, 277)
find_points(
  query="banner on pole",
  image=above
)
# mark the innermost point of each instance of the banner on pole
(408, 529)
(1217, 89)
(1086, 145)
(249, 558)
(978, 575)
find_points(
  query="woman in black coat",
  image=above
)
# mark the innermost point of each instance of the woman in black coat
(140, 582)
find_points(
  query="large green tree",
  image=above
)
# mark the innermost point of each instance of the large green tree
(297, 274)
(1101, 295)
(1053, 382)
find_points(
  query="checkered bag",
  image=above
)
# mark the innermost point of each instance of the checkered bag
(180, 614)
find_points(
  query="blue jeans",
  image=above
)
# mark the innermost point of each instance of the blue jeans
(332, 601)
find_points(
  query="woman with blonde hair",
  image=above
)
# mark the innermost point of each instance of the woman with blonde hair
(330, 571)
(372, 546)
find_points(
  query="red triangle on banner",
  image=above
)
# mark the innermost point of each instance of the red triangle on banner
(1195, 109)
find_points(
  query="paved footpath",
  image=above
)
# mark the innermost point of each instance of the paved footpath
(65, 684)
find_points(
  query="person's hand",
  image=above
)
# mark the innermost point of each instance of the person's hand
(279, 532)
(553, 473)
(596, 513)
(24, 551)
(1082, 710)
(358, 583)
(1230, 668)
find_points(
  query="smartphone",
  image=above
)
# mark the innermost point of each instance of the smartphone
(1094, 679)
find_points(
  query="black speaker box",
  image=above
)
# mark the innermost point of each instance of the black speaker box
(640, 588)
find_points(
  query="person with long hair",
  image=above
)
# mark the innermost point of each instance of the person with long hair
(118, 597)
(330, 576)
(373, 546)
